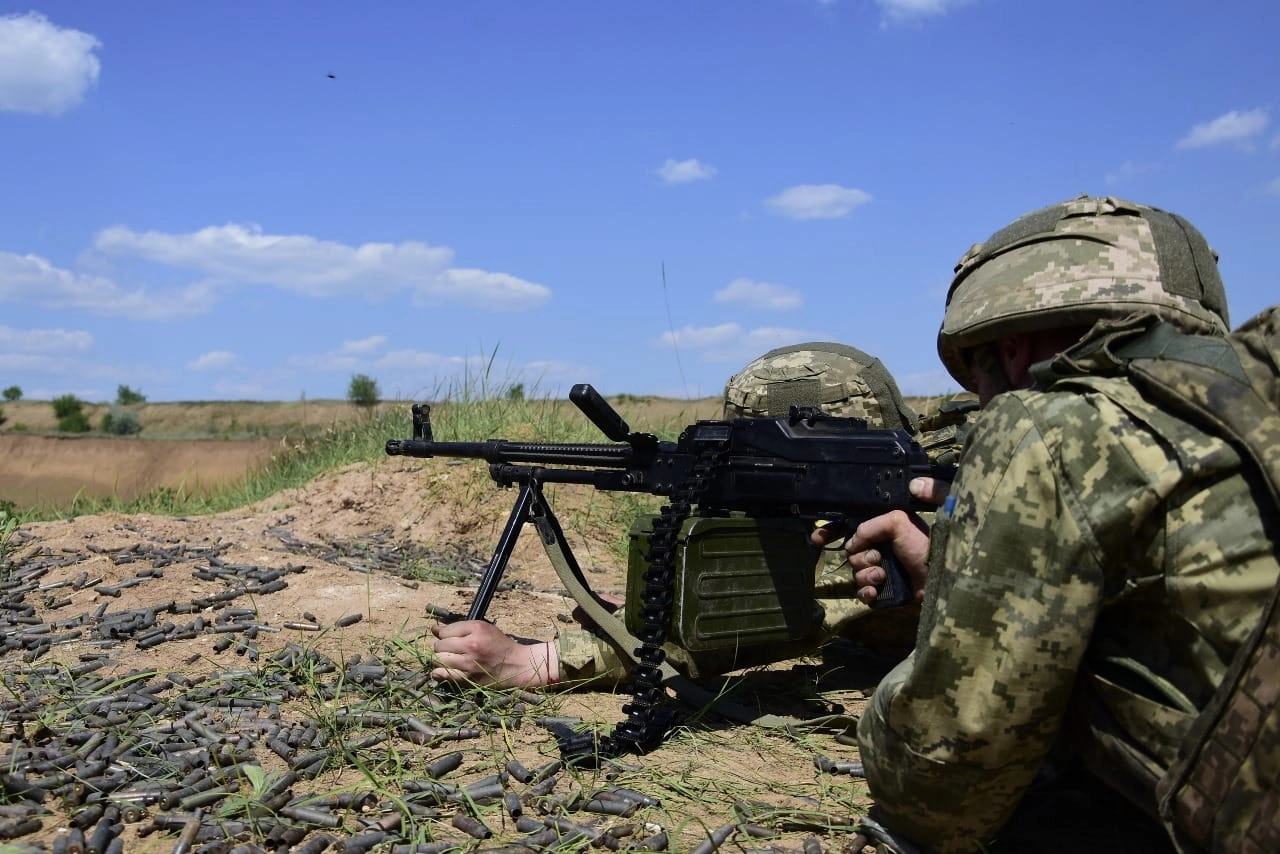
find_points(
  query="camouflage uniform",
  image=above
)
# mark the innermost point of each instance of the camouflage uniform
(841, 380)
(1098, 564)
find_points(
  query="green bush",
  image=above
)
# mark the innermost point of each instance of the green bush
(12, 393)
(121, 422)
(69, 410)
(363, 391)
(2, 418)
(67, 404)
(77, 422)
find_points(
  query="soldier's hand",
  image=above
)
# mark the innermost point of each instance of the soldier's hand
(479, 652)
(931, 490)
(905, 534)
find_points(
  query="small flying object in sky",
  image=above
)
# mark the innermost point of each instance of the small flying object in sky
(332, 75)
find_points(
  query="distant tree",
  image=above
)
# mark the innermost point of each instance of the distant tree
(363, 391)
(69, 411)
(515, 392)
(13, 393)
(126, 396)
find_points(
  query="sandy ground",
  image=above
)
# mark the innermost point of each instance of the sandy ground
(354, 543)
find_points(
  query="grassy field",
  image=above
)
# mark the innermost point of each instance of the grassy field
(219, 419)
(51, 474)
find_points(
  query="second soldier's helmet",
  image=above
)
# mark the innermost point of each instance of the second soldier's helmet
(1078, 262)
(836, 378)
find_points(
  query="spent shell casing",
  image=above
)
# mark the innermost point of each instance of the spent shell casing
(714, 840)
(312, 815)
(610, 806)
(443, 765)
(518, 771)
(471, 826)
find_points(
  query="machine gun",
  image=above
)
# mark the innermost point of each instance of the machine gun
(807, 466)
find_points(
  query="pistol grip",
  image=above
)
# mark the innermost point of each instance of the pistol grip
(896, 589)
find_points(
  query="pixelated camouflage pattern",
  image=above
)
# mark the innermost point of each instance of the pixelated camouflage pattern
(838, 379)
(1095, 541)
(944, 430)
(1228, 799)
(588, 659)
(1096, 259)
(1223, 793)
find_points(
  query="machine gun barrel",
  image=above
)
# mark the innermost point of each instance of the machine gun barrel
(531, 453)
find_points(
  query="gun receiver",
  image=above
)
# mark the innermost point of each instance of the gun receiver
(807, 465)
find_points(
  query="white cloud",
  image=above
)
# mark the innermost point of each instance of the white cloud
(903, 11)
(44, 340)
(817, 201)
(305, 265)
(554, 372)
(366, 355)
(729, 342)
(54, 353)
(44, 68)
(1234, 126)
(212, 361)
(32, 279)
(364, 346)
(1125, 171)
(759, 294)
(684, 171)
(482, 289)
(420, 360)
(701, 337)
(335, 360)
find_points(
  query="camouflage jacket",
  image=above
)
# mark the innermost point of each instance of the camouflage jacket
(1094, 545)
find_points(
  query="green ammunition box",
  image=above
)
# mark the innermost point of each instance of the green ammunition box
(738, 581)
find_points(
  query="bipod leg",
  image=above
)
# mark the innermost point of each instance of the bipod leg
(529, 497)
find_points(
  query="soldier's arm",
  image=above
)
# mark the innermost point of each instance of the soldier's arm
(955, 734)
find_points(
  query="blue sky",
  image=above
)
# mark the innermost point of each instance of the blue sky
(194, 207)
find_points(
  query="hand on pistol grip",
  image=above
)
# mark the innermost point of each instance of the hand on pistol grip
(896, 589)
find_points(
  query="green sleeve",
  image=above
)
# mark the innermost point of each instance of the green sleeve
(957, 732)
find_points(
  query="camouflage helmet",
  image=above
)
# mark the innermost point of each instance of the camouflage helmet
(836, 378)
(1077, 262)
